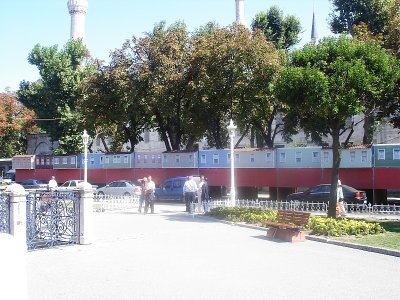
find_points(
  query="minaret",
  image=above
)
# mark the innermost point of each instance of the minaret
(240, 12)
(313, 30)
(78, 9)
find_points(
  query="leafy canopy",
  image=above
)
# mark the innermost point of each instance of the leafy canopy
(281, 30)
(55, 95)
(16, 123)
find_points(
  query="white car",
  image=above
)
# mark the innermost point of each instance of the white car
(120, 187)
(68, 186)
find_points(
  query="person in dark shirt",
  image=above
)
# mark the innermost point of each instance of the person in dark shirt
(205, 196)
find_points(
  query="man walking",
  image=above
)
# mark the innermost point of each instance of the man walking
(205, 197)
(150, 197)
(189, 190)
(142, 199)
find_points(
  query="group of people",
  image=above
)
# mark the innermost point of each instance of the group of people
(147, 196)
(192, 191)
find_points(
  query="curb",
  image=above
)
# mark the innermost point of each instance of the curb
(354, 246)
(318, 239)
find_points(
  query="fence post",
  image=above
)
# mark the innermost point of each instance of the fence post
(18, 213)
(86, 222)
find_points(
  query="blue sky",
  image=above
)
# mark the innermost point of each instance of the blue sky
(26, 23)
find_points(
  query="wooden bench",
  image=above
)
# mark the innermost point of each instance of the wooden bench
(289, 226)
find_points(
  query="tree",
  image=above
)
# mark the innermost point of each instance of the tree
(392, 39)
(329, 83)
(16, 122)
(347, 13)
(213, 78)
(280, 30)
(234, 70)
(365, 20)
(283, 32)
(160, 68)
(54, 96)
(114, 103)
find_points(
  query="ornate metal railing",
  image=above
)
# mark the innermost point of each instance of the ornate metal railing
(4, 213)
(114, 202)
(303, 206)
(52, 219)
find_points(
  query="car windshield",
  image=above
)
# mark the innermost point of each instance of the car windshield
(349, 188)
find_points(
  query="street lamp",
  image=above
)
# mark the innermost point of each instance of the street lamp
(231, 129)
(85, 139)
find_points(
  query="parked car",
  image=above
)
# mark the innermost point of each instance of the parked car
(9, 176)
(321, 193)
(172, 189)
(34, 184)
(68, 186)
(120, 187)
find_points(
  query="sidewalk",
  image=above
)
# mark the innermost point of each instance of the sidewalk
(173, 255)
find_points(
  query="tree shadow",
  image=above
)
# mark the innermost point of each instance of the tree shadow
(391, 226)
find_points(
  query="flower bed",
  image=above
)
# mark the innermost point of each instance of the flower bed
(316, 225)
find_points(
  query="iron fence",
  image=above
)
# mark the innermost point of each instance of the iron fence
(102, 203)
(4, 212)
(52, 219)
(313, 207)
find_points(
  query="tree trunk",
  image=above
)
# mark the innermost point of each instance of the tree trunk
(335, 172)
(368, 129)
(103, 141)
(252, 137)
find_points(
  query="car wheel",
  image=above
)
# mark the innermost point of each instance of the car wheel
(126, 194)
(100, 193)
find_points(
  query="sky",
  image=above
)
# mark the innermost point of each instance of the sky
(109, 24)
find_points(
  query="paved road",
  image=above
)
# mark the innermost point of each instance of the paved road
(171, 255)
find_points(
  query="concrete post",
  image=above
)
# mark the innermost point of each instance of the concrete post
(86, 222)
(18, 213)
(13, 277)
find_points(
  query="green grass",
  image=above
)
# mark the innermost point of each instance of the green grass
(389, 240)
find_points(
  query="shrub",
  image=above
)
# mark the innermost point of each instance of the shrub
(339, 227)
(240, 214)
(317, 225)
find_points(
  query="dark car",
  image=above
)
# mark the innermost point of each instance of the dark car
(34, 184)
(321, 193)
(172, 189)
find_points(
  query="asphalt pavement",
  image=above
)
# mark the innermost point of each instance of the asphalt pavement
(173, 255)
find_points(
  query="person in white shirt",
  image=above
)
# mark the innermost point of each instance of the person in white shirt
(52, 184)
(189, 190)
(339, 198)
(150, 197)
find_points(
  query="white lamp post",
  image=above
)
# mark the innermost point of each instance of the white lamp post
(85, 139)
(231, 129)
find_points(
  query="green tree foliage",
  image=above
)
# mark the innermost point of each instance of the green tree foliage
(347, 13)
(282, 31)
(158, 66)
(16, 122)
(233, 71)
(115, 103)
(365, 20)
(329, 83)
(392, 39)
(55, 95)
